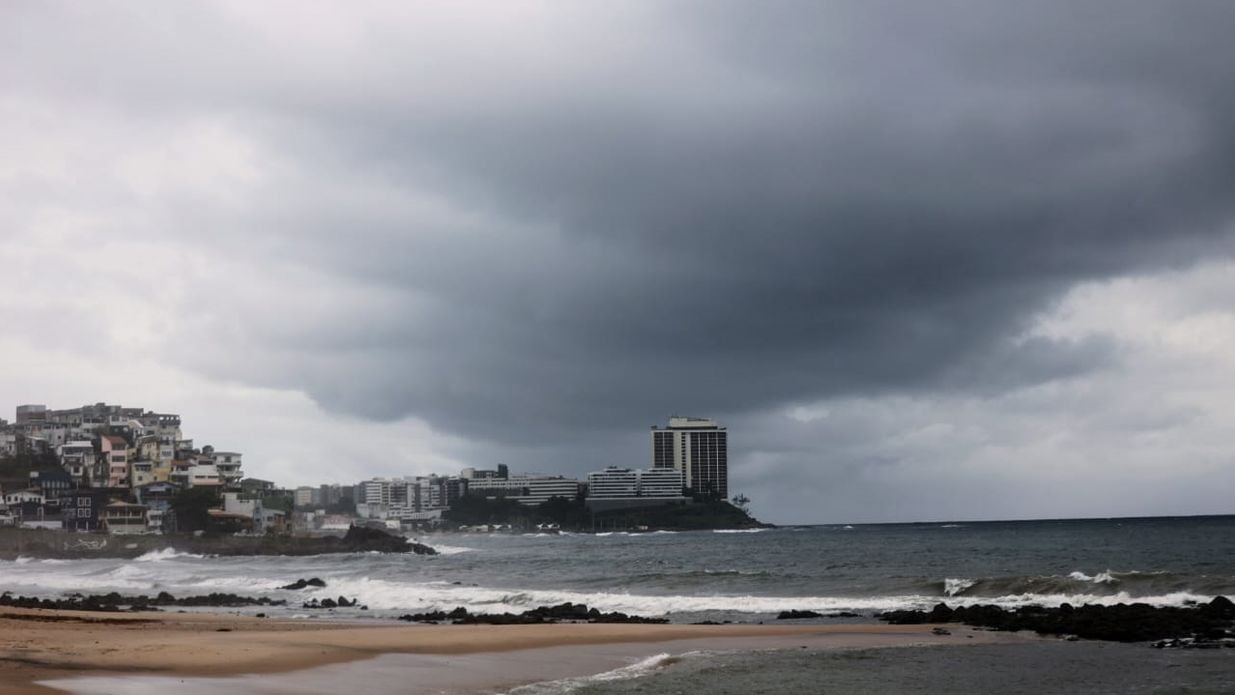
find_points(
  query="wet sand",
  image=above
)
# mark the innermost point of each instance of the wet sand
(39, 645)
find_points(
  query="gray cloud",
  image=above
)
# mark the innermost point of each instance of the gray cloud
(561, 225)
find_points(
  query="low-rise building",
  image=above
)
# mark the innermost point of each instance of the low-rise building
(52, 482)
(157, 498)
(528, 490)
(228, 465)
(615, 488)
(203, 474)
(81, 509)
(77, 457)
(122, 518)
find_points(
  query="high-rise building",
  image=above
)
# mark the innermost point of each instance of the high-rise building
(697, 447)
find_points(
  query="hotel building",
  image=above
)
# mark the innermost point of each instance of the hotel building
(699, 449)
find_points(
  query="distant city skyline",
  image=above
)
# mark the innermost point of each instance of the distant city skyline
(958, 261)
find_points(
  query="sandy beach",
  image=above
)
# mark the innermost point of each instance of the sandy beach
(40, 645)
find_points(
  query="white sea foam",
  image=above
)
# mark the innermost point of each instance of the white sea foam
(1100, 578)
(236, 584)
(165, 554)
(381, 594)
(640, 668)
(451, 549)
(952, 587)
(739, 530)
(42, 583)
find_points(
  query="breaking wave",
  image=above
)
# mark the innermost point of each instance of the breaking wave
(381, 594)
(451, 549)
(165, 554)
(639, 669)
(1146, 587)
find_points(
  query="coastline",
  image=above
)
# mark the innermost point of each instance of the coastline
(40, 645)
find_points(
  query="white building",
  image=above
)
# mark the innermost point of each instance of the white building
(613, 482)
(697, 447)
(303, 496)
(203, 474)
(228, 465)
(528, 490)
(627, 483)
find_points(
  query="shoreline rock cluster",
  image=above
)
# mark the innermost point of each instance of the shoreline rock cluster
(341, 602)
(114, 602)
(804, 615)
(303, 583)
(1210, 623)
(565, 612)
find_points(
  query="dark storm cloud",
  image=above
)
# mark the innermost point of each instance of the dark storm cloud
(787, 202)
(714, 208)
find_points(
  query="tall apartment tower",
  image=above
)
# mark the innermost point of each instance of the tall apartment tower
(699, 448)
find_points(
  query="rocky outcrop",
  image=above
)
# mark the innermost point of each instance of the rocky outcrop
(565, 612)
(45, 543)
(1135, 622)
(114, 602)
(341, 602)
(798, 615)
(304, 584)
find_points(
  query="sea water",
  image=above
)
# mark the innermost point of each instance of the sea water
(708, 575)
(747, 576)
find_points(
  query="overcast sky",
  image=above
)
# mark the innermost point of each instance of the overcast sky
(926, 260)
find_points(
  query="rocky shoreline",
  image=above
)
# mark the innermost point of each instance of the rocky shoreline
(64, 545)
(565, 612)
(114, 602)
(1211, 623)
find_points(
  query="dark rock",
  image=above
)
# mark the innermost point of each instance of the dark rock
(115, 602)
(303, 584)
(1220, 607)
(364, 539)
(798, 615)
(1137, 622)
(544, 614)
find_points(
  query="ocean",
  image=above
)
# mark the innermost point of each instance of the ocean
(743, 576)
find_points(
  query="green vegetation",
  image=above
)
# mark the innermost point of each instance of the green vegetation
(474, 510)
(701, 515)
(191, 508)
(573, 515)
(15, 470)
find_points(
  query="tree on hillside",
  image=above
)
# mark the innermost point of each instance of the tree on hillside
(191, 508)
(564, 512)
(471, 510)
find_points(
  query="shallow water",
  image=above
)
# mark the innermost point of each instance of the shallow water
(1030, 667)
(1040, 668)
